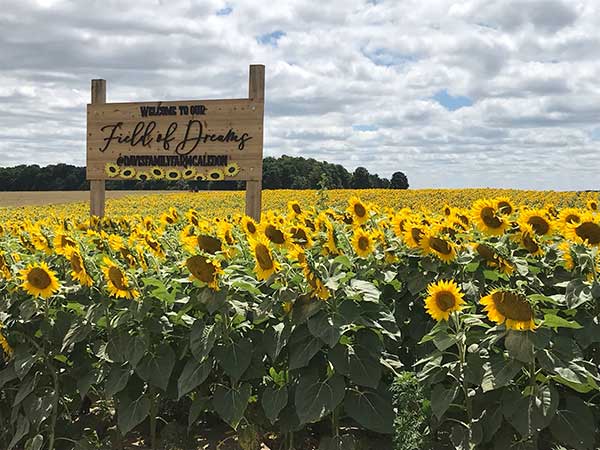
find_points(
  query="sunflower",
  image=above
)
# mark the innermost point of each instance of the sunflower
(447, 210)
(569, 216)
(232, 169)
(4, 269)
(63, 244)
(527, 239)
(592, 205)
(216, 175)
(116, 281)
(209, 244)
(441, 248)
(399, 222)
(587, 231)
(510, 308)
(143, 176)
(157, 173)
(493, 259)
(112, 170)
(172, 174)
(357, 210)
(249, 226)
(504, 206)
(301, 235)
(265, 265)
(538, 219)
(294, 208)
(486, 216)
(78, 271)
(39, 280)
(200, 177)
(565, 250)
(4, 345)
(275, 234)
(413, 234)
(204, 270)
(189, 173)
(362, 242)
(127, 173)
(444, 297)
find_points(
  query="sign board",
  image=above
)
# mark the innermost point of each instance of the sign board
(210, 140)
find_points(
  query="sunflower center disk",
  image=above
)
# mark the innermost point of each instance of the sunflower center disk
(274, 235)
(75, 263)
(263, 257)
(201, 269)
(38, 278)
(209, 244)
(489, 218)
(539, 224)
(417, 234)
(117, 278)
(512, 306)
(360, 210)
(441, 246)
(589, 231)
(445, 300)
(363, 243)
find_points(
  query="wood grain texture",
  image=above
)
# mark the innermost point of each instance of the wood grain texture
(97, 186)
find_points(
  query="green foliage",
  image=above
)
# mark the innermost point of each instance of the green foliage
(411, 418)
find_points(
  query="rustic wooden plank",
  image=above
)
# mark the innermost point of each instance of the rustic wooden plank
(256, 93)
(97, 185)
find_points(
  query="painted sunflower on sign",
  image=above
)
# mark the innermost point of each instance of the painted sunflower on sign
(112, 170)
(116, 281)
(143, 176)
(443, 298)
(172, 175)
(216, 175)
(509, 308)
(189, 173)
(127, 173)
(39, 280)
(232, 169)
(157, 173)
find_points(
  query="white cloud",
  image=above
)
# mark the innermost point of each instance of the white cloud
(348, 81)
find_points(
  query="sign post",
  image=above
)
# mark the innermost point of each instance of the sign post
(210, 140)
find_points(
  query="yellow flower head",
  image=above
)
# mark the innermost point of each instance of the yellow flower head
(538, 220)
(39, 280)
(438, 247)
(357, 210)
(509, 308)
(266, 265)
(116, 281)
(487, 218)
(363, 242)
(205, 270)
(586, 231)
(443, 298)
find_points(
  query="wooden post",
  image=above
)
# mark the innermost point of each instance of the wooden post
(256, 92)
(97, 187)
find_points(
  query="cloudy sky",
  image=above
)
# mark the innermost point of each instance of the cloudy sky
(468, 93)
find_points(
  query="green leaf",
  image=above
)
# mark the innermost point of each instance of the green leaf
(35, 443)
(85, 382)
(344, 442)
(573, 424)
(304, 307)
(20, 432)
(303, 346)
(156, 368)
(202, 340)
(196, 408)
(117, 380)
(498, 373)
(554, 321)
(136, 348)
(365, 370)
(338, 356)
(273, 401)
(231, 403)
(194, 374)
(7, 375)
(441, 399)
(365, 290)
(322, 325)
(316, 398)
(23, 362)
(519, 345)
(275, 339)
(371, 409)
(234, 357)
(25, 389)
(131, 412)
(490, 275)
(77, 332)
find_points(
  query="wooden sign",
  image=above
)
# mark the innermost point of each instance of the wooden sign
(209, 140)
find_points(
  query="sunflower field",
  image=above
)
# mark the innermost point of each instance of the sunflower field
(175, 312)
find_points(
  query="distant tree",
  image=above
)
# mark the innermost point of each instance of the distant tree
(399, 181)
(360, 179)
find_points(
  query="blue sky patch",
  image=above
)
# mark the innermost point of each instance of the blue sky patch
(363, 127)
(270, 38)
(224, 11)
(450, 102)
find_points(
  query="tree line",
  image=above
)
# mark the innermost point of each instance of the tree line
(285, 172)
